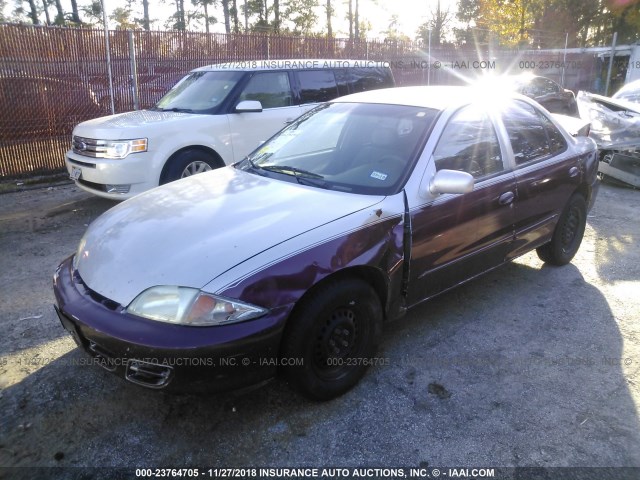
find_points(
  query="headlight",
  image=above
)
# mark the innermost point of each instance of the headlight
(79, 252)
(190, 306)
(121, 148)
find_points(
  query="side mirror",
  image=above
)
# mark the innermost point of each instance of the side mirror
(451, 181)
(247, 106)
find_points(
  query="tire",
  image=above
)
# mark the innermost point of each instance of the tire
(187, 163)
(568, 233)
(335, 331)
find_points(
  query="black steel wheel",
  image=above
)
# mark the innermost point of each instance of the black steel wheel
(331, 337)
(568, 234)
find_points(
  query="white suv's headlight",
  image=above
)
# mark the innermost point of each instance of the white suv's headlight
(121, 148)
(190, 306)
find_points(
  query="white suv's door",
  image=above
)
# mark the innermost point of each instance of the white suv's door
(248, 129)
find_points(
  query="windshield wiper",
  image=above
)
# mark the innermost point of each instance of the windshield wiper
(295, 171)
(303, 177)
(252, 160)
(174, 109)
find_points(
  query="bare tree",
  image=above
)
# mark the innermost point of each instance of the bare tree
(234, 14)
(205, 4)
(145, 15)
(350, 19)
(181, 23)
(45, 8)
(357, 21)
(437, 24)
(225, 12)
(59, 20)
(33, 12)
(276, 16)
(75, 14)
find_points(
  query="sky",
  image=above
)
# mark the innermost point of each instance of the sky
(411, 13)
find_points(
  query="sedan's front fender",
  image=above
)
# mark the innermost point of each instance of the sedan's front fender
(284, 274)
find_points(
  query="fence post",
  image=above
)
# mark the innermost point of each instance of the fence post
(613, 53)
(108, 51)
(134, 71)
(564, 59)
(429, 66)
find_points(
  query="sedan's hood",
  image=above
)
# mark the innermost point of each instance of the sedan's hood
(188, 232)
(128, 125)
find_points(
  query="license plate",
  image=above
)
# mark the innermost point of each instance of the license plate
(76, 173)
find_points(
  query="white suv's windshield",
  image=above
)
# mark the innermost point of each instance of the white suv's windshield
(360, 148)
(199, 92)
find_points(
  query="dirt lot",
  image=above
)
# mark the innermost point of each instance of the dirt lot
(529, 366)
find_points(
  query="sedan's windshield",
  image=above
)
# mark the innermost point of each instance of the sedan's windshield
(199, 92)
(360, 148)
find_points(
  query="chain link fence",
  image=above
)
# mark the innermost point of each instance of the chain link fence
(52, 78)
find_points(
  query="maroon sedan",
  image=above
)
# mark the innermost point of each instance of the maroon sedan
(292, 259)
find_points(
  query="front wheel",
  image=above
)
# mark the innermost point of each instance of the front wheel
(330, 339)
(187, 163)
(568, 233)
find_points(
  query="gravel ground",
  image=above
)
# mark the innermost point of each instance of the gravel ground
(528, 366)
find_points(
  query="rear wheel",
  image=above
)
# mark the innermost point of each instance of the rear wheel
(331, 338)
(188, 163)
(568, 233)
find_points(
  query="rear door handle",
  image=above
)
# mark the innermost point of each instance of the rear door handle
(288, 121)
(573, 171)
(506, 198)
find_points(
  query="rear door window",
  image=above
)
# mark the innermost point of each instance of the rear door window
(317, 86)
(271, 89)
(533, 136)
(557, 143)
(526, 132)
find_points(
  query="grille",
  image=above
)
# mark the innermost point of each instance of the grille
(89, 147)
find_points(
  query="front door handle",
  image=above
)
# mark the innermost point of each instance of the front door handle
(288, 121)
(573, 171)
(506, 198)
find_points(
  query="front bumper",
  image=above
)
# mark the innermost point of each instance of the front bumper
(114, 179)
(160, 355)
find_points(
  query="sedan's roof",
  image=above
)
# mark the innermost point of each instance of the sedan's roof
(437, 97)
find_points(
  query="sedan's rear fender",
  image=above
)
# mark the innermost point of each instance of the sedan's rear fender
(589, 168)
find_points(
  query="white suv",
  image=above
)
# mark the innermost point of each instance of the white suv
(214, 116)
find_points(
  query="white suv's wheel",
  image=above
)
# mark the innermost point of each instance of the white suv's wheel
(187, 163)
